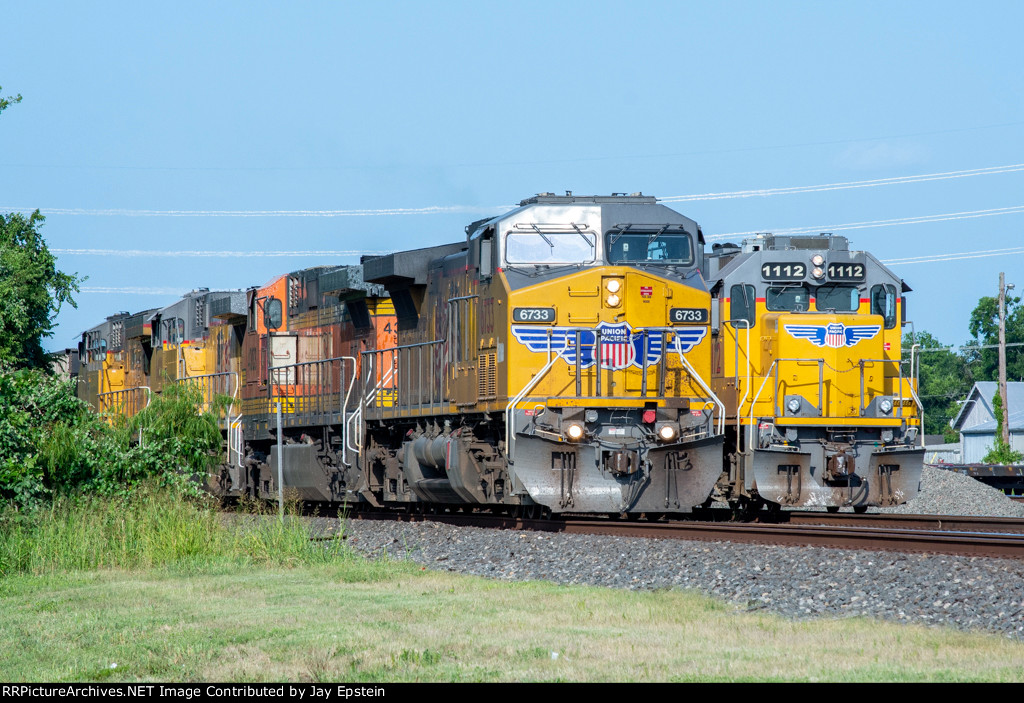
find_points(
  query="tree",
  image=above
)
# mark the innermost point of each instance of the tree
(9, 100)
(32, 290)
(984, 328)
(945, 378)
(1001, 452)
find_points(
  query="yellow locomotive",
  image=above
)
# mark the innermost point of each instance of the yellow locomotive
(128, 357)
(822, 411)
(556, 361)
(578, 354)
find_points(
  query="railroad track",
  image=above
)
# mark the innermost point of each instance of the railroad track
(965, 536)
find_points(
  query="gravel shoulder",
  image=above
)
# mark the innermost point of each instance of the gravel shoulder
(962, 592)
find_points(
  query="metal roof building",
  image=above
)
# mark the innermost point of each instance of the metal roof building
(977, 424)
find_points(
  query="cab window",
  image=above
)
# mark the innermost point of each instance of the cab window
(883, 302)
(742, 304)
(273, 316)
(656, 247)
(794, 298)
(550, 247)
(837, 298)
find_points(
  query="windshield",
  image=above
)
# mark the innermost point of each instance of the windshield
(793, 298)
(541, 247)
(838, 298)
(649, 247)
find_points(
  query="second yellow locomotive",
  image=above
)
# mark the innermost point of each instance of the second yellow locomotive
(822, 408)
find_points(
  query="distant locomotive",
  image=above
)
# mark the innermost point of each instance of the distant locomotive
(566, 357)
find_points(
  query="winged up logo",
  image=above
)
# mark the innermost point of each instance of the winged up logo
(833, 335)
(621, 346)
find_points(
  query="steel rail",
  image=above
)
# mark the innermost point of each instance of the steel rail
(962, 542)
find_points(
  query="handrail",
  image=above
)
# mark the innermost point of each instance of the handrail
(915, 380)
(736, 354)
(509, 434)
(707, 389)
(821, 380)
(860, 366)
(373, 386)
(323, 369)
(451, 330)
(206, 382)
(235, 434)
(344, 409)
(899, 365)
(125, 392)
(750, 438)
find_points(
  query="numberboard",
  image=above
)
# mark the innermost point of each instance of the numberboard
(846, 272)
(533, 314)
(784, 271)
(688, 316)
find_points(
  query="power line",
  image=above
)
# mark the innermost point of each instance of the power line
(969, 347)
(981, 254)
(845, 186)
(970, 214)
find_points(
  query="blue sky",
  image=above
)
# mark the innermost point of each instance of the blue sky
(262, 127)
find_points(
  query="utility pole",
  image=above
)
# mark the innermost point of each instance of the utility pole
(1002, 357)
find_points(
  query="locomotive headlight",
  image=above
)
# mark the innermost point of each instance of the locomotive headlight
(612, 301)
(574, 431)
(613, 285)
(818, 272)
(817, 259)
(885, 406)
(793, 405)
(667, 432)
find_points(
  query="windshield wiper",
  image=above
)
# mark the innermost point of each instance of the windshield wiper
(655, 235)
(542, 235)
(622, 231)
(580, 232)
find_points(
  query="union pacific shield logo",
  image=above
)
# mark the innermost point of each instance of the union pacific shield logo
(833, 335)
(621, 346)
(617, 350)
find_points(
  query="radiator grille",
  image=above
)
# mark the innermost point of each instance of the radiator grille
(487, 375)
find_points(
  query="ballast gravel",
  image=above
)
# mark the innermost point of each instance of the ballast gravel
(961, 592)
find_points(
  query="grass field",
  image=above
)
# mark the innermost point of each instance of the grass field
(275, 607)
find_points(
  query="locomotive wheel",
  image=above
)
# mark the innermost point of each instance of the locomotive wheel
(530, 512)
(860, 509)
(832, 508)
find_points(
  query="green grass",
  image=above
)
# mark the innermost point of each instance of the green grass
(152, 529)
(149, 592)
